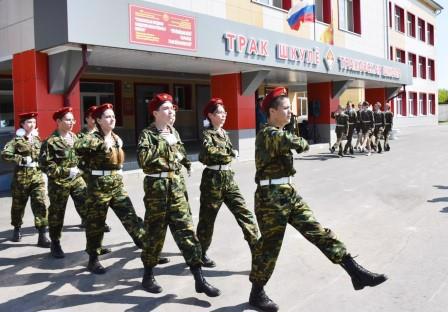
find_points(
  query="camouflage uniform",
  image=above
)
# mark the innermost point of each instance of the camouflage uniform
(276, 205)
(217, 187)
(165, 200)
(56, 158)
(341, 130)
(388, 124)
(367, 124)
(106, 190)
(27, 180)
(352, 119)
(82, 163)
(378, 129)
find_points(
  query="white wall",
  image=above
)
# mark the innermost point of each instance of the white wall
(211, 7)
(16, 27)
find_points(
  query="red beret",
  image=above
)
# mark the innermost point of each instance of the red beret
(158, 100)
(89, 111)
(271, 96)
(25, 116)
(59, 114)
(210, 105)
(99, 110)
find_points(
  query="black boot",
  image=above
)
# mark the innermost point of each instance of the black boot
(340, 153)
(149, 283)
(332, 149)
(380, 149)
(163, 260)
(95, 266)
(43, 240)
(351, 151)
(260, 300)
(56, 250)
(207, 262)
(104, 251)
(138, 242)
(360, 276)
(201, 284)
(16, 234)
(107, 228)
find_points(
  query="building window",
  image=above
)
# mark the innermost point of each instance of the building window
(431, 70)
(422, 67)
(432, 104)
(281, 4)
(302, 105)
(323, 11)
(399, 19)
(430, 33)
(6, 105)
(411, 25)
(421, 29)
(400, 104)
(390, 14)
(350, 15)
(422, 104)
(412, 103)
(400, 56)
(412, 61)
(100, 92)
(182, 96)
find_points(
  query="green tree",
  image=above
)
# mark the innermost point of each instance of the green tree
(443, 96)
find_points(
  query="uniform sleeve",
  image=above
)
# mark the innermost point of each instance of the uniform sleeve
(47, 162)
(279, 142)
(9, 153)
(212, 154)
(146, 151)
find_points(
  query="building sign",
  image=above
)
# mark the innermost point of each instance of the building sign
(153, 27)
(349, 64)
(242, 44)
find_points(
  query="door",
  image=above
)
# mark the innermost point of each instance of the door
(143, 95)
(202, 98)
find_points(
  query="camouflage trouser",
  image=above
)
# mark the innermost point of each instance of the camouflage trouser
(105, 191)
(165, 205)
(28, 182)
(275, 207)
(340, 133)
(377, 133)
(219, 187)
(386, 133)
(58, 195)
(351, 129)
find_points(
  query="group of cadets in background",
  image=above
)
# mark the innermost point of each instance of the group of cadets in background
(87, 167)
(371, 125)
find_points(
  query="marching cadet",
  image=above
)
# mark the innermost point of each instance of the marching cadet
(103, 151)
(159, 154)
(218, 185)
(23, 150)
(378, 117)
(367, 123)
(277, 203)
(88, 129)
(358, 127)
(388, 124)
(352, 119)
(341, 129)
(59, 161)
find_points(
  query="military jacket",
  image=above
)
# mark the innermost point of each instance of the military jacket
(358, 117)
(366, 117)
(57, 157)
(216, 148)
(155, 155)
(81, 135)
(352, 117)
(389, 118)
(19, 148)
(379, 118)
(97, 155)
(273, 155)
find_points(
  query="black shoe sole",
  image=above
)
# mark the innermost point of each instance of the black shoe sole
(265, 309)
(379, 281)
(163, 260)
(209, 294)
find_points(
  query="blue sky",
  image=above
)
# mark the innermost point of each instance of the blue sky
(442, 46)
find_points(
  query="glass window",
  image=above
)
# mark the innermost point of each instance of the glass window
(182, 96)
(399, 105)
(346, 17)
(399, 19)
(6, 105)
(275, 3)
(97, 93)
(302, 105)
(411, 24)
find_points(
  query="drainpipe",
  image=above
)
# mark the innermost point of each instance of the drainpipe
(78, 75)
(386, 24)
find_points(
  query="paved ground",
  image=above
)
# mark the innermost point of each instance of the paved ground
(390, 209)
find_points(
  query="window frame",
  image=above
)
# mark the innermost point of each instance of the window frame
(400, 25)
(422, 67)
(8, 129)
(188, 94)
(430, 33)
(412, 61)
(286, 4)
(410, 30)
(421, 29)
(431, 66)
(354, 25)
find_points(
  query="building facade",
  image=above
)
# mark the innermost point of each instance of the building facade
(87, 52)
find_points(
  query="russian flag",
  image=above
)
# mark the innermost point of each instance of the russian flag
(301, 12)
